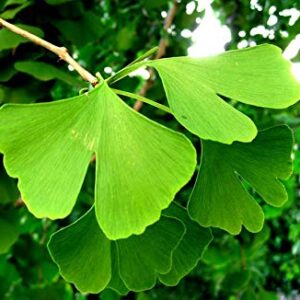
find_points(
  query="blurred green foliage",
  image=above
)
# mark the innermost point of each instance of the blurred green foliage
(112, 33)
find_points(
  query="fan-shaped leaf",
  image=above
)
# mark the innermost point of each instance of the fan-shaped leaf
(258, 76)
(219, 198)
(89, 260)
(191, 248)
(140, 164)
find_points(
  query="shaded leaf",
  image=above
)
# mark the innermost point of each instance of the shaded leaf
(83, 30)
(191, 248)
(8, 188)
(84, 256)
(9, 39)
(48, 147)
(8, 235)
(258, 76)
(46, 72)
(57, 2)
(21, 94)
(219, 198)
(10, 13)
(7, 72)
(237, 280)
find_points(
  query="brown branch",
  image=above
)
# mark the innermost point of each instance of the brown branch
(61, 52)
(163, 44)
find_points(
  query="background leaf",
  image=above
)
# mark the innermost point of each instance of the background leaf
(46, 72)
(10, 40)
(8, 235)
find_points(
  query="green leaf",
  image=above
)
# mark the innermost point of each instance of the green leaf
(57, 2)
(10, 13)
(7, 72)
(10, 39)
(154, 3)
(219, 198)
(258, 76)
(126, 37)
(267, 295)
(85, 256)
(46, 72)
(8, 188)
(8, 235)
(236, 281)
(81, 31)
(21, 94)
(191, 248)
(48, 147)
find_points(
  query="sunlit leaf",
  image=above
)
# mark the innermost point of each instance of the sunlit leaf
(258, 76)
(140, 165)
(86, 257)
(219, 198)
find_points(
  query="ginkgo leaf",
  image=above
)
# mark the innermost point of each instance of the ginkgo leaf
(191, 248)
(89, 260)
(45, 72)
(219, 198)
(140, 165)
(10, 13)
(258, 76)
(9, 39)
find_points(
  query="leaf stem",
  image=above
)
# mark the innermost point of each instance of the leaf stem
(144, 56)
(134, 65)
(61, 52)
(143, 99)
(163, 44)
(124, 72)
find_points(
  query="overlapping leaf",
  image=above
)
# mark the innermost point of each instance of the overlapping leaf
(219, 198)
(140, 165)
(190, 249)
(92, 262)
(167, 250)
(258, 76)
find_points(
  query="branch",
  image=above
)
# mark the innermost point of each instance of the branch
(160, 53)
(61, 52)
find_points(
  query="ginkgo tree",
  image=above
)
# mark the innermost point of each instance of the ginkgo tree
(135, 233)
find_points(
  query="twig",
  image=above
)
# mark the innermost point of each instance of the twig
(61, 52)
(163, 44)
